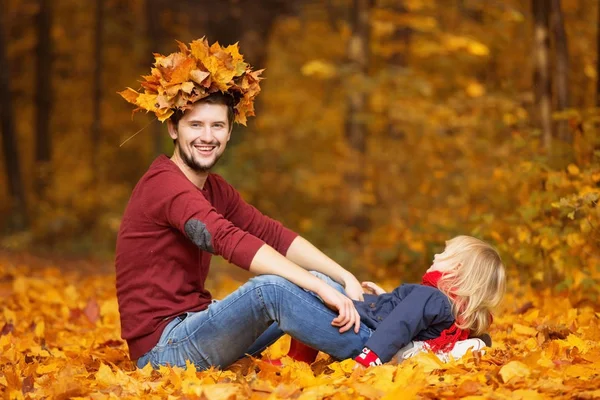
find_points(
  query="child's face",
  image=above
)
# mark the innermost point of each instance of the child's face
(443, 262)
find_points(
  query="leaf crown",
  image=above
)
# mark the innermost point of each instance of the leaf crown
(180, 79)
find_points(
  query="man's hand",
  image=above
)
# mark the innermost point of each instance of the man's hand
(372, 288)
(303, 253)
(353, 288)
(348, 316)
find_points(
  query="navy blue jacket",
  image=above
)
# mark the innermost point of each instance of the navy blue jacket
(408, 312)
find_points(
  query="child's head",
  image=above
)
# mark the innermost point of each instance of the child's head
(474, 277)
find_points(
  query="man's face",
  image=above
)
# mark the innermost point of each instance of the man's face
(201, 135)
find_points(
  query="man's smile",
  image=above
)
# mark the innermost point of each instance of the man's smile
(205, 149)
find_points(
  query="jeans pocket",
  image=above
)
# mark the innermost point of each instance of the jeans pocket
(168, 335)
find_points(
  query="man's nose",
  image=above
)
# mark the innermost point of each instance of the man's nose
(206, 134)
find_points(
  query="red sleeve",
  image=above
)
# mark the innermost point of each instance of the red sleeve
(170, 199)
(248, 218)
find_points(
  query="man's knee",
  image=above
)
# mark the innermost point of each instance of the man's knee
(329, 281)
(269, 279)
(320, 275)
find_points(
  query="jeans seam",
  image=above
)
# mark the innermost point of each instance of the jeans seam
(258, 287)
(234, 302)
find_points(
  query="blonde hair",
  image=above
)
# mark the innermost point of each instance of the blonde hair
(476, 285)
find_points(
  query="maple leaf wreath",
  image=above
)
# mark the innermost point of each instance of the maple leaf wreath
(180, 79)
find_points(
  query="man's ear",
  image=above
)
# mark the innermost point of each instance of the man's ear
(172, 129)
(229, 134)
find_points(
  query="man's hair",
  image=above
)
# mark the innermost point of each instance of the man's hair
(476, 285)
(214, 98)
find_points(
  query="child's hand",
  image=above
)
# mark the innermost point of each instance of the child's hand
(372, 288)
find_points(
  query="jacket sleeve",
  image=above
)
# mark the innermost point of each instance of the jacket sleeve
(421, 308)
(248, 218)
(172, 200)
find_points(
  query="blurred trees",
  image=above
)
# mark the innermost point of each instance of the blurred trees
(43, 96)
(542, 83)
(16, 204)
(562, 68)
(96, 128)
(384, 127)
(357, 109)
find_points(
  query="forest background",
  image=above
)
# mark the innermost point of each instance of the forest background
(383, 129)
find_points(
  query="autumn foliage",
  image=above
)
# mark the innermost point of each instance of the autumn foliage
(60, 339)
(453, 145)
(182, 78)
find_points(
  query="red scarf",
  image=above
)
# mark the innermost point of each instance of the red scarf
(448, 337)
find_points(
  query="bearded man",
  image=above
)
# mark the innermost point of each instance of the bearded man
(180, 214)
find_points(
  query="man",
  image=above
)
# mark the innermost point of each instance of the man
(180, 214)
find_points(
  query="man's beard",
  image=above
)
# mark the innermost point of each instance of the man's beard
(194, 165)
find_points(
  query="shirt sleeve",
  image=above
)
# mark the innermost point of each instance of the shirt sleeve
(417, 311)
(172, 200)
(248, 218)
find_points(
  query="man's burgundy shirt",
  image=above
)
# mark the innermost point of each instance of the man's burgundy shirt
(160, 272)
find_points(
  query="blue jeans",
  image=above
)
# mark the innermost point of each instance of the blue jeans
(243, 323)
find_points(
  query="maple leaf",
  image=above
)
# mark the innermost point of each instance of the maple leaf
(182, 78)
(92, 310)
(199, 76)
(181, 73)
(514, 369)
(130, 95)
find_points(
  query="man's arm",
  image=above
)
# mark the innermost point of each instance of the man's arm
(288, 243)
(269, 261)
(306, 255)
(176, 202)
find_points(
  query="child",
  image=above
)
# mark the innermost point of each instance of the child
(453, 302)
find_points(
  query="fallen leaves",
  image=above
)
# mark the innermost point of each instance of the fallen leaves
(60, 339)
(184, 77)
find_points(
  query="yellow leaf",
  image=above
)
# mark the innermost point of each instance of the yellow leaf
(526, 394)
(319, 69)
(130, 95)
(573, 169)
(574, 341)
(478, 49)
(105, 376)
(579, 371)
(47, 368)
(475, 89)
(514, 369)
(40, 329)
(532, 315)
(147, 102)
(524, 330)
(9, 315)
(531, 344)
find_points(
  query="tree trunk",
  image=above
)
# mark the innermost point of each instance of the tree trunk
(356, 127)
(562, 69)
(43, 145)
(398, 60)
(542, 81)
(97, 107)
(598, 57)
(18, 207)
(153, 29)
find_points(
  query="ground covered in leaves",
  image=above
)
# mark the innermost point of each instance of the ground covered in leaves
(60, 339)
